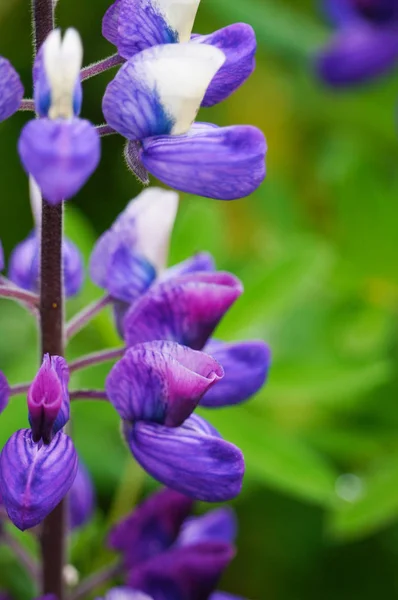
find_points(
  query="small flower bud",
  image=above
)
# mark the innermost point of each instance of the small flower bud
(44, 401)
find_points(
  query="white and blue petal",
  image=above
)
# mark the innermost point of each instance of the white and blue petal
(238, 43)
(159, 91)
(224, 163)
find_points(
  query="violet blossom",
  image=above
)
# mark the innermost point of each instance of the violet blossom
(365, 44)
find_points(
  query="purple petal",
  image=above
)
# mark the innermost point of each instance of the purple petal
(340, 12)
(124, 593)
(60, 155)
(81, 498)
(1, 257)
(186, 309)
(160, 382)
(44, 401)
(11, 89)
(217, 525)
(246, 366)
(110, 23)
(140, 26)
(224, 596)
(35, 477)
(129, 275)
(238, 42)
(60, 367)
(187, 459)
(24, 265)
(223, 163)
(358, 53)
(151, 528)
(202, 261)
(189, 573)
(4, 392)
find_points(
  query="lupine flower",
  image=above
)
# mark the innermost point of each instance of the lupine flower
(124, 593)
(1, 257)
(154, 99)
(155, 387)
(135, 25)
(38, 465)
(4, 392)
(168, 554)
(81, 498)
(59, 149)
(25, 258)
(24, 264)
(365, 44)
(128, 262)
(11, 90)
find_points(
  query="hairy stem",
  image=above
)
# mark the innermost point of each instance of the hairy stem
(105, 130)
(88, 395)
(15, 293)
(43, 20)
(95, 580)
(27, 104)
(101, 66)
(85, 316)
(95, 358)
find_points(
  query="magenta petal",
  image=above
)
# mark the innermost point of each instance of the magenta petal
(152, 527)
(11, 89)
(185, 309)
(35, 477)
(189, 460)
(246, 366)
(60, 155)
(1, 257)
(189, 573)
(217, 525)
(44, 401)
(4, 392)
(161, 382)
(238, 42)
(224, 163)
(224, 596)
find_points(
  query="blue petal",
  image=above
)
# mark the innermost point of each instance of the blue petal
(188, 459)
(202, 261)
(340, 12)
(110, 23)
(246, 366)
(35, 477)
(357, 54)
(223, 163)
(219, 525)
(60, 155)
(11, 89)
(238, 42)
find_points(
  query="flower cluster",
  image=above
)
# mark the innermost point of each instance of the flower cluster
(169, 363)
(365, 44)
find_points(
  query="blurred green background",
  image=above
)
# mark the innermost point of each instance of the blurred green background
(317, 249)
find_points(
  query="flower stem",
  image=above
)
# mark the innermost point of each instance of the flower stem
(95, 580)
(27, 104)
(88, 395)
(85, 316)
(21, 554)
(101, 66)
(105, 130)
(15, 293)
(19, 388)
(43, 20)
(95, 358)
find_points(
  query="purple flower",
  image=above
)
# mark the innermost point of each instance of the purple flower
(81, 498)
(155, 387)
(11, 89)
(25, 263)
(38, 465)
(170, 555)
(125, 593)
(365, 44)
(154, 99)
(59, 150)
(127, 258)
(4, 392)
(135, 25)
(1, 257)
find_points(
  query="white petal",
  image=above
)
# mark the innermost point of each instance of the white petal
(62, 63)
(152, 214)
(181, 74)
(35, 201)
(180, 15)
